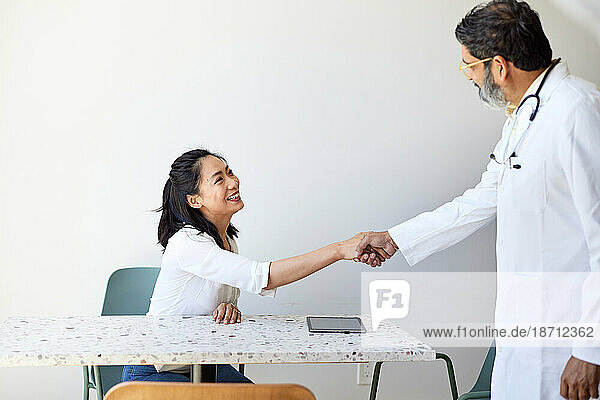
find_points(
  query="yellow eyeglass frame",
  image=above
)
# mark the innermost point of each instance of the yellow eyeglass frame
(462, 67)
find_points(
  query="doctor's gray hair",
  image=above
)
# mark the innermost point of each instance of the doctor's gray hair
(507, 28)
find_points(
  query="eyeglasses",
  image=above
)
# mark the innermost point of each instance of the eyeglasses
(462, 67)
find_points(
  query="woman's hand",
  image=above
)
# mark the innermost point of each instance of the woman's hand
(227, 313)
(347, 251)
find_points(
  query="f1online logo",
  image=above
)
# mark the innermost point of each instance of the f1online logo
(388, 299)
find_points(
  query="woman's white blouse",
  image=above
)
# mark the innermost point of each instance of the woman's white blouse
(197, 275)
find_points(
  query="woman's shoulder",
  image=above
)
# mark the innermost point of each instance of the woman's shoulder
(188, 235)
(189, 246)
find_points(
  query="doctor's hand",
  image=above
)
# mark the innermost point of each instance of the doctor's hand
(227, 313)
(579, 380)
(380, 243)
(347, 250)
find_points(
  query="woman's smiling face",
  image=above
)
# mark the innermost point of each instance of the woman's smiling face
(218, 189)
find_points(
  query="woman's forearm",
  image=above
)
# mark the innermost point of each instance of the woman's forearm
(291, 269)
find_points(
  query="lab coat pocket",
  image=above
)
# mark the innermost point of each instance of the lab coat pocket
(525, 183)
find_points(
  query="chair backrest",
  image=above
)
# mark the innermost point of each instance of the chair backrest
(213, 391)
(485, 375)
(128, 292)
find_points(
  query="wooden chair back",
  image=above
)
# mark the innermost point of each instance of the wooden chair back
(214, 391)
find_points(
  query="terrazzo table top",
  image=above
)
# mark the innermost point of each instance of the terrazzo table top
(134, 340)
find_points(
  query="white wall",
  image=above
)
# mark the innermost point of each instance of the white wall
(338, 116)
(585, 12)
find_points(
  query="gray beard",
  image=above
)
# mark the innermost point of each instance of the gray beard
(490, 93)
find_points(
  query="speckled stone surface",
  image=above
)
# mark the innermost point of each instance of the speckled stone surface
(194, 340)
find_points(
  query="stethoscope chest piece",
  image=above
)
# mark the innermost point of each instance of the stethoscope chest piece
(508, 162)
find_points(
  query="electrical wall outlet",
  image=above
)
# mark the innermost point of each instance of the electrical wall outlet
(365, 373)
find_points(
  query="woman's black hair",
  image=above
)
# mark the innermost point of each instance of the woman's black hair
(184, 180)
(507, 28)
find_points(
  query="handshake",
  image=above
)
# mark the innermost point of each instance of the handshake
(371, 248)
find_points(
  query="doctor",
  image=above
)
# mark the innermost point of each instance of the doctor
(543, 186)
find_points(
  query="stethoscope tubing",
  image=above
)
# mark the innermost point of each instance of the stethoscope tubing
(532, 116)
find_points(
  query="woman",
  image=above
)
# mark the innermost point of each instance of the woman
(201, 272)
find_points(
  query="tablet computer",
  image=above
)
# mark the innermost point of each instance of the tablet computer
(335, 325)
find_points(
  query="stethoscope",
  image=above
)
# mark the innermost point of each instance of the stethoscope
(534, 110)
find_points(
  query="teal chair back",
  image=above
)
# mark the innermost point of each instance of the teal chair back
(484, 380)
(481, 389)
(128, 292)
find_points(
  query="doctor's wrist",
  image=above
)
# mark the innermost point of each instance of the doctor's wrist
(390, 239)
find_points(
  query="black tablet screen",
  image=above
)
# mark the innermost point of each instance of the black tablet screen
(335, 324)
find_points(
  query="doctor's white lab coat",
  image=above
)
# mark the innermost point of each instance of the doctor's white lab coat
(548, 220)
